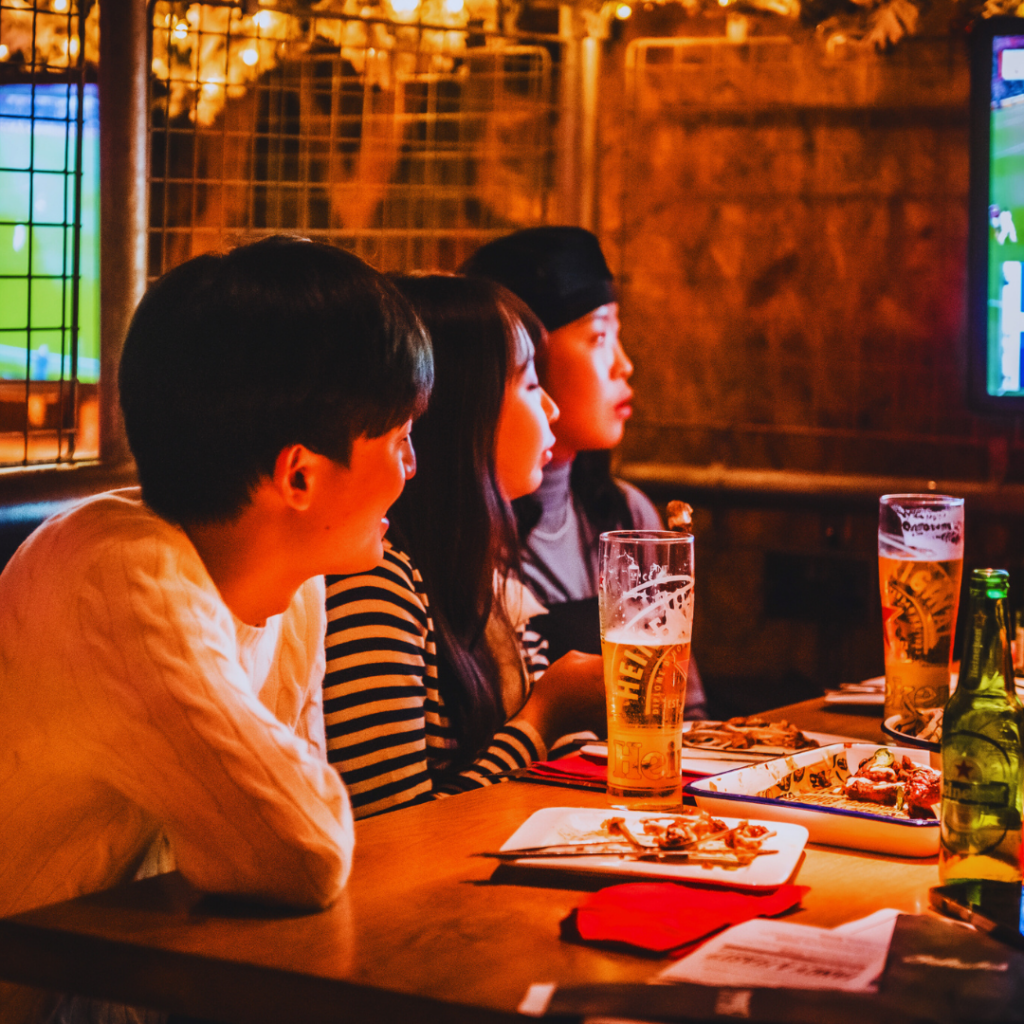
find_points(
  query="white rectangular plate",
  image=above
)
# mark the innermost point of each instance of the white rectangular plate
(872, 691)
(736, 792)
(869, 691)
(713, 762)
(580, 824)
(850, 698)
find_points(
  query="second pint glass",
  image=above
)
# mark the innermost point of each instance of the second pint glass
(920, 559)
(645, 592)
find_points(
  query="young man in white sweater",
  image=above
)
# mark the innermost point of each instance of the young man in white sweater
(161, 647)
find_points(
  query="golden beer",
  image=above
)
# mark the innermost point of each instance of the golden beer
(645, 686)
(645, 596)
(920, 559)
(919, 606)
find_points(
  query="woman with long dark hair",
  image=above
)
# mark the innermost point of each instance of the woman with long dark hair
(434, 685)
(561, 274)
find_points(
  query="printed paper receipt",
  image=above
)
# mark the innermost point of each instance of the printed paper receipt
(776, 954)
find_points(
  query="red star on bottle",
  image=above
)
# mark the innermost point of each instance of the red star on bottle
(963, 769)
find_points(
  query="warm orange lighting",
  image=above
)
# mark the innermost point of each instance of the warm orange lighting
(404, 6)
(181, 30)
(623, 11)
(250, 57)
(60, 5)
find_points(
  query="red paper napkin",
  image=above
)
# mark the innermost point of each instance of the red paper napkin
(577, 768)
(663, 916)
(573, 768)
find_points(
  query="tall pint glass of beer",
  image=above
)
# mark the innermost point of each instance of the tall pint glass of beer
(645, 593)
(920, 560)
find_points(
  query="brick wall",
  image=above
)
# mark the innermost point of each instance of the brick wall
(790, 227)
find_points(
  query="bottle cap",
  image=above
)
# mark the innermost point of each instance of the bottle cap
(993, 583)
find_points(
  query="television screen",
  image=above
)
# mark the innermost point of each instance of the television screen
(37, 205)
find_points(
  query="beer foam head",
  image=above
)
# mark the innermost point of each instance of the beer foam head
(645, 587)
(921, 527)
(654, 610)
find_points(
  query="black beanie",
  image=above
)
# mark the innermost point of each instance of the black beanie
(559, 272)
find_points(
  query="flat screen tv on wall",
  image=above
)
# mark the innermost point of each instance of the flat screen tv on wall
(38, 156)
(996, 246)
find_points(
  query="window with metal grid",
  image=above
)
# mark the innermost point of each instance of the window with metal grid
(408, 139)
(49, 235)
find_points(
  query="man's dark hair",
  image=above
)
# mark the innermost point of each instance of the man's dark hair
(232, 357)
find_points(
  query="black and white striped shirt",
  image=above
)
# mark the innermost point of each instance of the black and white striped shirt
(387, 731)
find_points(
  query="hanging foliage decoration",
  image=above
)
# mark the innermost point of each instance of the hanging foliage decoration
(210, 52)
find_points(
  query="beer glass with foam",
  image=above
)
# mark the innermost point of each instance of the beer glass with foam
(920, 561)
(645, 593)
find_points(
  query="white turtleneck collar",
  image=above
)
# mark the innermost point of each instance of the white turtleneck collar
(555, 499)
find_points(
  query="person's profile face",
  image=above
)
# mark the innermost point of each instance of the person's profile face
(523, 441)
(356, 498)
(587, 373)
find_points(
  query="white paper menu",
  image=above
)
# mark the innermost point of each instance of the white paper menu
(776, 954)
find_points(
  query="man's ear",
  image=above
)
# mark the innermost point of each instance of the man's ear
(294, 476)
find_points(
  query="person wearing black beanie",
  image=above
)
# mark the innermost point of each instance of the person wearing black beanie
(562, 275)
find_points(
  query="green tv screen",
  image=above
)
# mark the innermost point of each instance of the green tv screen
(37, 209)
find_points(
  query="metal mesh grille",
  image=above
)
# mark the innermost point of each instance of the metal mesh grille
(406, 143)
(49, 237)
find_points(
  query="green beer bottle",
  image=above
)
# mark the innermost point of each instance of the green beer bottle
(981, 746)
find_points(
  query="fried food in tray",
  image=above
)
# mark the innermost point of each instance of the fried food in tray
(897, 786)
(751, 733)
(893, 785)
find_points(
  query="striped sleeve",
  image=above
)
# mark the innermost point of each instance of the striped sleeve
(387, 732)
(515, 746)
(535, 653)
(380, 656)
(518, 744)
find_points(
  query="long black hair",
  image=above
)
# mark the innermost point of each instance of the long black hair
(452, 517)
(561, 273)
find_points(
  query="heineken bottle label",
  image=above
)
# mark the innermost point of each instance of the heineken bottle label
(978, 794)
(979, 772)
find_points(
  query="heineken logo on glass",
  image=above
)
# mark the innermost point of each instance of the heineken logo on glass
(641, 760)
(642, 674)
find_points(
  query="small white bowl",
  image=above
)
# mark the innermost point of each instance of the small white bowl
(736, 794)
(889, 727)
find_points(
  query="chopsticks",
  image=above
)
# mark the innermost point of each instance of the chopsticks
(733, 858)
(562, 850)
(637, 850)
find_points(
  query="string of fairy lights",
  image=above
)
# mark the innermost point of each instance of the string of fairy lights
(216, 50)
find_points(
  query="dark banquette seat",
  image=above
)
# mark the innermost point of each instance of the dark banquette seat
(17, 521)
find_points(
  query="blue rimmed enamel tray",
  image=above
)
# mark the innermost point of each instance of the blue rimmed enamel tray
(757, 792)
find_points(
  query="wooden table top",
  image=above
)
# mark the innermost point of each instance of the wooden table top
(426, 930)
